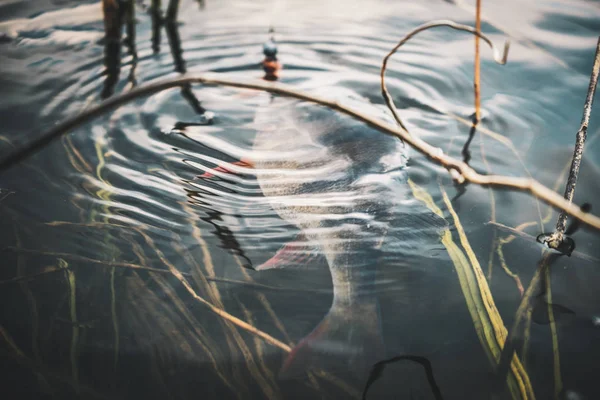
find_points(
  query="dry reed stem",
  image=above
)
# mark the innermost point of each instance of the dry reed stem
(477, 72)
(128, 265)
(83, 259)
(487, 322)
(499, 249)
(204, 341)
(487, 308)
(213, 292)
(222, 313)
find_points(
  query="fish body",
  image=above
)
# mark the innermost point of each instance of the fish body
(339, 181)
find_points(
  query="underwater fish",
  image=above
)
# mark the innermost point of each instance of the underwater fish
(343, 184)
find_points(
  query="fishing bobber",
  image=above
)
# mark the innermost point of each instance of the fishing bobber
(270, 64)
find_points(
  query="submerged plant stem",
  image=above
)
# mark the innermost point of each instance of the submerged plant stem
(558, 385)
(487, 321)
(523, 314)
(494, 331)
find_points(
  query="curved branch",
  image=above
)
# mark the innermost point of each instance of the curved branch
(500, 58)
(433, 153)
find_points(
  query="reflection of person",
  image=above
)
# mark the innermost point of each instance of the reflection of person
(270, 64)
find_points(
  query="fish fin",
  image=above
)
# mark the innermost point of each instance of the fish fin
(293, 253)
(223, 168)
(348, 339)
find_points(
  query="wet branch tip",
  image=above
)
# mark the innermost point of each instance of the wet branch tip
(558, 240)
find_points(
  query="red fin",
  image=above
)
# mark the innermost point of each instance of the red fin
(348, 339)
(294, 253)
(221, 168)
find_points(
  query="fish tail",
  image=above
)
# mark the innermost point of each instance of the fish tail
(348, 339)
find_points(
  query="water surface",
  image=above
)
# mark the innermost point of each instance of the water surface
(126, 191)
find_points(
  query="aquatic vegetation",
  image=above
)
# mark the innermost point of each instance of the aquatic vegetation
(158, 291)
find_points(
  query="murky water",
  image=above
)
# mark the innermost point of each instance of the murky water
(109, 220)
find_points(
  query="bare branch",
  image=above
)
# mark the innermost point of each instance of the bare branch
(433, 153)
(500, 58)
(556, 240)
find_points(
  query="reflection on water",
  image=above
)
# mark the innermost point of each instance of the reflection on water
(136, 248)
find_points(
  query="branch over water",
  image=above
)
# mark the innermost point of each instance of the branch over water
(557, 239)
(435, 154)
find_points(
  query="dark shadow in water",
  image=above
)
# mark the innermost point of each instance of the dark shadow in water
(461, 188)
(114, 18)
(466, 153)
(115, 15)
(156, 17)
(113, 22)
(130, 41)
(425, 363)
(172, 10)
(172, 31)
(225, 235)
(575, 223)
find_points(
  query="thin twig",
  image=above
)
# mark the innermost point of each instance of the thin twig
(557, 238)
(477, 73)
(433, 153)
(526, 236)
(500, 58)
(84, 259)
(126, 265)
(225, 315)
(179, 276)
(472, 124)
